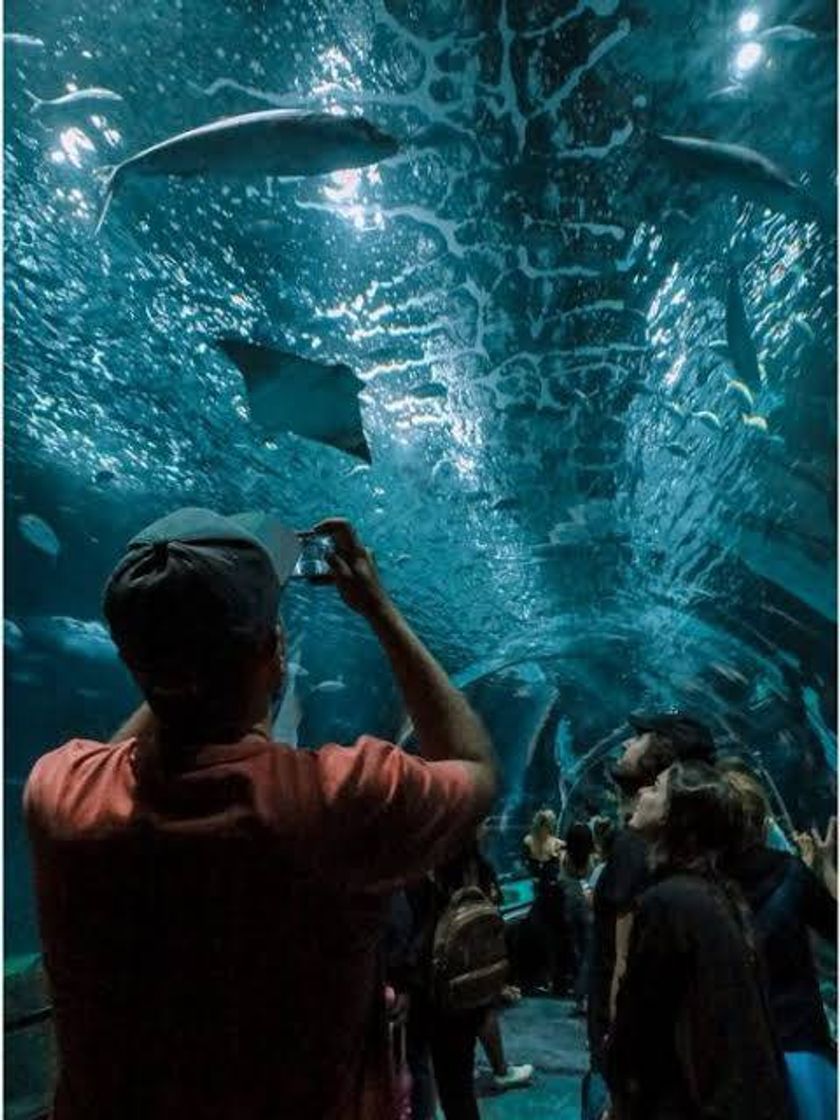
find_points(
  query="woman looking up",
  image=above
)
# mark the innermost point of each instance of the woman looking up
(692, 1037)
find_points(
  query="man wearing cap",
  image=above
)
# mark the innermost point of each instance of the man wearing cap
(211, 901)
(658, 740)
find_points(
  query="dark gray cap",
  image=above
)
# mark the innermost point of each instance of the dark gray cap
(691, 739)
(194, 579)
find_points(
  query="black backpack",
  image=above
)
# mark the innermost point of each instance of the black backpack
(469, 954)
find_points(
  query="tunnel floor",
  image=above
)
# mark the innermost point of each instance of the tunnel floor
(542, 1032)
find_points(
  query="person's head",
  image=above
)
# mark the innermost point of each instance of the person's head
(543, 825)
(691, 814)
(658, 740)
(579, 846)
(750, 792)
(193, 610)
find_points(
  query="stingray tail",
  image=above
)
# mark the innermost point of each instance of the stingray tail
(37, 102)
(108, 176)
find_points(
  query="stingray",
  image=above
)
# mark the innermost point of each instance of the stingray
(287, 393)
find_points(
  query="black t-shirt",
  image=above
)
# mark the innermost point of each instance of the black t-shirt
(787, 900)
(623, 879)
(692, 1037)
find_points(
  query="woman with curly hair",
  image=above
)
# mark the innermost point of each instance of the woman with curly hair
(692, 1038)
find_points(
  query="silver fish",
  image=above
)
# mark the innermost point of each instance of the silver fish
(39, 534)
(75, 97)
(678, 450)
(288, 393)
(282, 142)
(733, 386)
(742, 170)
(786, 33)
(734, 92)
(738, 335)
(710, 419)
(16, 39)
(329, 686)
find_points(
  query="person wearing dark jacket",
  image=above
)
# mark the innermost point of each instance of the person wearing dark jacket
(692, 1037)
(787, 901)
(658, 739)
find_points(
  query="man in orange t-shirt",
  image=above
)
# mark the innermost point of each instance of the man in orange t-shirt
(210, 901)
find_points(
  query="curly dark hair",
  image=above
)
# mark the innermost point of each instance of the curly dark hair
(704, 821)
(704, 824)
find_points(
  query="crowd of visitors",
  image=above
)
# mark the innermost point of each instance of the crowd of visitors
(237, 930)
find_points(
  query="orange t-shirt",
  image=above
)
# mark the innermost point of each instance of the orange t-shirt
(211, 933)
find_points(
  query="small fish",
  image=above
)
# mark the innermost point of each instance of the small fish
(755, 422)
(802, 324)
(329, 686)
(744, 390)
(283, 142)
(12, 636)
(510, 502)
(710, 419)
(786, 33)
(720, 346)
(678, 450)
(39, 534)
(735, 92)
(739, 169)
(287, 393)
(75, 97)
(16, 39)
(738, 335)
(677, 409)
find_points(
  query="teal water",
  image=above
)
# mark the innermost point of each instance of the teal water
(568, 496)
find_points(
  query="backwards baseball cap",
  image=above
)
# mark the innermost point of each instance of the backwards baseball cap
(194, 579)
(690, 738)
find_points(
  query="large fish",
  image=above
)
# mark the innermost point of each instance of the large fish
(287, 393)
(738, 335)
(282, 142)
(741, 170)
